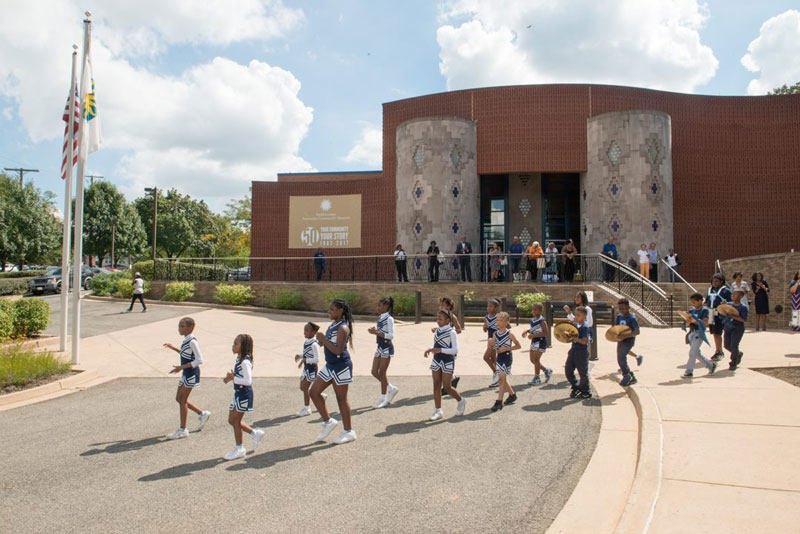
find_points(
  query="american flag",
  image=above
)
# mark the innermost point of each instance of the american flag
(65, 166)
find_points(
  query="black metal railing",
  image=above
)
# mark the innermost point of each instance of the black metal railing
(657, 304)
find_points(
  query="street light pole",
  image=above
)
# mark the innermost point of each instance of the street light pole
(154, 190)
(113, 233)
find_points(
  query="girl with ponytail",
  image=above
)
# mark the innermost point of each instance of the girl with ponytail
(384, 333)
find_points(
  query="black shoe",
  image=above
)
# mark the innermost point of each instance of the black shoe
(585, 395)
(732, 367)
(717, 356)
(454, 382)
(498, 405)
(511, 399)
(574, 393)
(444, 392)
(593, 358)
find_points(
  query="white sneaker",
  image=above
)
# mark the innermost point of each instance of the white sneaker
(327, 428)
(178, 434)
(591, 366)
(304, 412)
(437, 414)
(391, 392)
(381, 404)
(462, 405)
(236, 453)
(495, 380)
(324, 396)
(203, 418)
(346, 437)
(257, 434)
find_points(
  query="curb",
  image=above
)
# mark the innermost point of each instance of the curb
(57, 388)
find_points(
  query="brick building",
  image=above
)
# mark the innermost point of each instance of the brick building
(715, 177)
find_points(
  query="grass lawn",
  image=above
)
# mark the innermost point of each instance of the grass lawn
(20, 367)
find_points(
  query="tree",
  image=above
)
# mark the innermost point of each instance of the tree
(30, 230)
(182, 223)
(786, 90)
(239, 212)
(105, 207)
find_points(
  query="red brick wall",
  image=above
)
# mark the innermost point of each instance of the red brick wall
(736, 163)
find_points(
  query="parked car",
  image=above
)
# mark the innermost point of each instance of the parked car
(51, 281)
(240, 275)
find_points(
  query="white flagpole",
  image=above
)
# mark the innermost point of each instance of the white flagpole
(77, 261)
(67, 235)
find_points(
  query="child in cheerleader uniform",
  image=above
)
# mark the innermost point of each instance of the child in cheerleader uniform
(490, 327)
(537, 333)
(384, 334)
(242, 377)
(309, 361)
(504, 344)
(191, 359)
(446, 303)
(444, 350)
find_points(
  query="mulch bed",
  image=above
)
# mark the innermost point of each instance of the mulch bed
(787, 374)
(36, 383)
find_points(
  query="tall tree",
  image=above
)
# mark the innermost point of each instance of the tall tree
(106, 209)
(182, 223)
(786, 90)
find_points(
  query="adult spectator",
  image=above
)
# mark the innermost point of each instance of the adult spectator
(463, 251)
(644, 261)
(401, 263)
(569, 251)
(609, 250)
(739, 285)
(674, 262)
(319, 263)
(535, 260)
(433, 262)
(494, 262)
(515, 250)
(550, 264)
(652, 255)
(794, 290)
(138, 292)
(761, 291)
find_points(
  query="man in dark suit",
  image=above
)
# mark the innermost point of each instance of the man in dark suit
(463, 251)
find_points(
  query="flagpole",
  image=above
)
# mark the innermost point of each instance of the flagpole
(77, 260)
(67, 235)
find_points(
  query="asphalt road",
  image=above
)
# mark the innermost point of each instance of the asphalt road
(96, 461)
(99, 317)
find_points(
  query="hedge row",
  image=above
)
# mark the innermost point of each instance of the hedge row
(21, 274)
(117, 284)
(23, 317)
(180, 271)
(14, 286)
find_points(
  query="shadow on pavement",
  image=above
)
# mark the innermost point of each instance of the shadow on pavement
(183, 470)
(125, 445)
(270, 458)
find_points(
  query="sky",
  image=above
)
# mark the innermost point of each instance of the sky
(207, 96)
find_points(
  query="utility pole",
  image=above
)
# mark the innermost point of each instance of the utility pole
(21, 172)
(113, 232)
(154, 190)
(91, 178)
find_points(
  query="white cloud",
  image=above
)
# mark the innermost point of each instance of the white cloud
(653, 44)
(775, 53)
(209, 130)
(368, 148)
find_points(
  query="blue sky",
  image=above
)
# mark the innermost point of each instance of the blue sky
(207, 101)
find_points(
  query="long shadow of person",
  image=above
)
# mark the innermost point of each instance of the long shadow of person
(183, 470)
(270, 458)
(125, 445)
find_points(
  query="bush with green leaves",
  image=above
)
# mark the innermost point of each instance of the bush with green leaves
(525, 301)
(179, 291)
(6, 318)
(286, 299)
(21, 274)
(20, 366)
(108, 284)
(31, 316)
(125, 288)
(14, 286)
(351, 297)
(234, 294)
(404, 303)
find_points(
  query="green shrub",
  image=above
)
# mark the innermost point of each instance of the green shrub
(20, 366)
(181, 270)
(404, 303)
(31, 316)
(125, 288)
(234, 294)
(21, 274)
(525, 301)
(6, 318)
(352, 297)
(108, 284)
(179, 291)
(286, 299)
(14, 286)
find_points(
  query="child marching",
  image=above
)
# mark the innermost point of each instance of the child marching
(537, 333)
(446, 303)
(504, 344)
(718, 294)
(191, 359)
(384, 334)
(490, 327)
(696, 321)
(338, 370)
(309, 361)
(242, 377)
(734, 327)
(578, 357)
(626, 341)
(445, 350)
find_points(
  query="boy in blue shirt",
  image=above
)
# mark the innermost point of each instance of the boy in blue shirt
(578, 357)
(625, 344)
(697, 323)
(734, 329)
(718, 294)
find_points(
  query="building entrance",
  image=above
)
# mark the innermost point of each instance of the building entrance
(561, 209)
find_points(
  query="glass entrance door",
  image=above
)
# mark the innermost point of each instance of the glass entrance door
(561, 209)
(494, 214)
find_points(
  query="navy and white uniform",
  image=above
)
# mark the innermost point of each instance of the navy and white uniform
(537, 327)
(242, 385)
(504, 359)
(445, 338)
(386, 327)
(190, 353)
(310, 359)
(714, 298)
(491, 325)
(338, 368)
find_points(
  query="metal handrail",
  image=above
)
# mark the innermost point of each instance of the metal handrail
(372, 256)
(630, 272)
(682, 279)
(718, 267)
